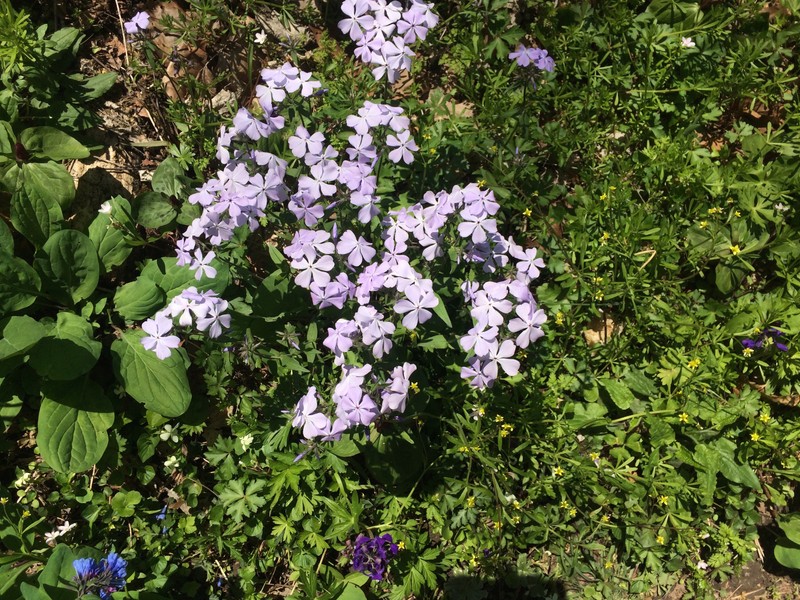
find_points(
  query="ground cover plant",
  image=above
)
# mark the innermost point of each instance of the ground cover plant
(449, 300)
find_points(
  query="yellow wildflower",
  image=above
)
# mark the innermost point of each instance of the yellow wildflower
(594, 456)
(604, 238)
(735, 250)
(605, 519)
(703, 224)
(559, 318)
(608, 564)
(499, 418)
(764, 418)
(663, 500)
(26, 514)
(426, 136)
(660, 539)
(527, 212)
(516, 519)
(516, 504)
(481, 182)
(738, 213)
(558, 472)
(471, 502)
(414, 386)
(597, 280)
(693, 364)
(401, 545)
(747, 352)
(506, 430)
(683, 417)
(3, 500)
(573, 512)
(599, 295)
(432, 151)
(612, 188)
(564, 504)
(464, 449)
(755, 437)
(603, 197)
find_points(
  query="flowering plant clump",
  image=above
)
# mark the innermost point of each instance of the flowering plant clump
(371, 555)
(769, 337)
(102, 577)
(538, 57)
(335, 202)
(383, 32)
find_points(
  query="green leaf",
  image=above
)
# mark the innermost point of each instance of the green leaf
(730, 468)
(170, 179)
(19, 284)
(139, 299)
(6, 239)
(52, 143)
(69, 263)
(36, 216)
(441, 311)
(153, 210)
(109, 240)
(639, 382)
(161, 385)
(618, 392)
(240, 502)
(7, 138)
(787, 553)
(790, 525)
(124, 503)
(20, 334)
(73, 425)
(173, 278)
(49, 180)
(351, 592)
(68, 351)
(96, 86)
(59, 570)
(587, 415)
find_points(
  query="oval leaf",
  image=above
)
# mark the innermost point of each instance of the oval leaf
(68, 351)
(52, 143)
(49, 180)
(618, 392)
(153, 210)
(35, 216)
(161, 385)
(20, 334)
(73, 425)
(70, 263)
(108, 240)
(139, 299)
(19, 284)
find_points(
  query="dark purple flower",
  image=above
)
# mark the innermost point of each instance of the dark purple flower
(371, 555)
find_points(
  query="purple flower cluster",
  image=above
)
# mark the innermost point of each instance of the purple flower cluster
(371, 555)
(102, 577)
(383, 32)
(537, 57)
(767, 337)
(377, 281)
(203, 309)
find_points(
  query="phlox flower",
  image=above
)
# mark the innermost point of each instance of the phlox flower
(414, 306)
(500, 355)
(313, 270)
(358, 20)
(138, 23)
(528, 324)
(202, 264)
(303, 143)
(358, 250)
(158, 341)
(404, 145)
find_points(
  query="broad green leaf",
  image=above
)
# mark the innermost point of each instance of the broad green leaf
(124, 503)
(19, 284)
(587, 415)
(96, 86)
(52, 143)
(73, 425)
(787, 553)
(9, 577)
(730, 468)
(35, 216)
(728, 278)
(19, 334)
(68, 351)
(173, 278)
(240, 502)
(7, 138)
(790, 525)
(170, 179)
(618, 392)
(351, 592)
(49, 180)
(109, 240)
(639, 382)
(59, 570)
(6, 239)
(161, 385)
(69, 261)
(139, 299)
(153, 210)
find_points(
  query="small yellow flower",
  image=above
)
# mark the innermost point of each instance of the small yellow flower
(480, 183)
(473, 562)
(464, 449)
(660, 540)
(426, 136)
(493, 149)
(26, 514)
(735, 250)
(714, 211)
(608, 564)
(764, 418)
(703, 224)
(474, 448)
(516, 519)
(683, 417)
(747, 352)
(432, 151)
(612, 188)
(527, 212)
(414, 386)
(558, 472)
(516, 504)
(499, 418)
(755, 437)
(471, 502)
(599, 295)
(604, 238)
(663, 500)
(603, 197)
(3, 500)
(506, 430)
(738, 213)
(605, 519)
(756, 330)
(413, 335)
(480, 411)
(522, 354)
(594, 456)
(729, 200)
(559, 318)
(597, 280)
(401, 545)
(564, 504)
(498, 525)
(693, 364)
(573, 512)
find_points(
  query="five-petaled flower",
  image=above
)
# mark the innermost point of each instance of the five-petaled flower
(139, 22)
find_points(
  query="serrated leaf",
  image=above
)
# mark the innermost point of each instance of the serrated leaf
(240, 502)
(68, 351)
(69, 262)
(618, 392)
(19, 284)
(73, 425)
(139, 299)
(52, 143)
(161, 385)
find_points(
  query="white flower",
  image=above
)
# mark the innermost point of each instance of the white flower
(781, 207)
(261, 38)
(245, 441)
(105, 208)
(171, 462)
(51, 536)
(702, 565)
(66, 527)
(23, 480)
(168, 433)
(687, 42)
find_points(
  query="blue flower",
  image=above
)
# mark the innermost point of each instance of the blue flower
(371, 555)
(102, 578)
